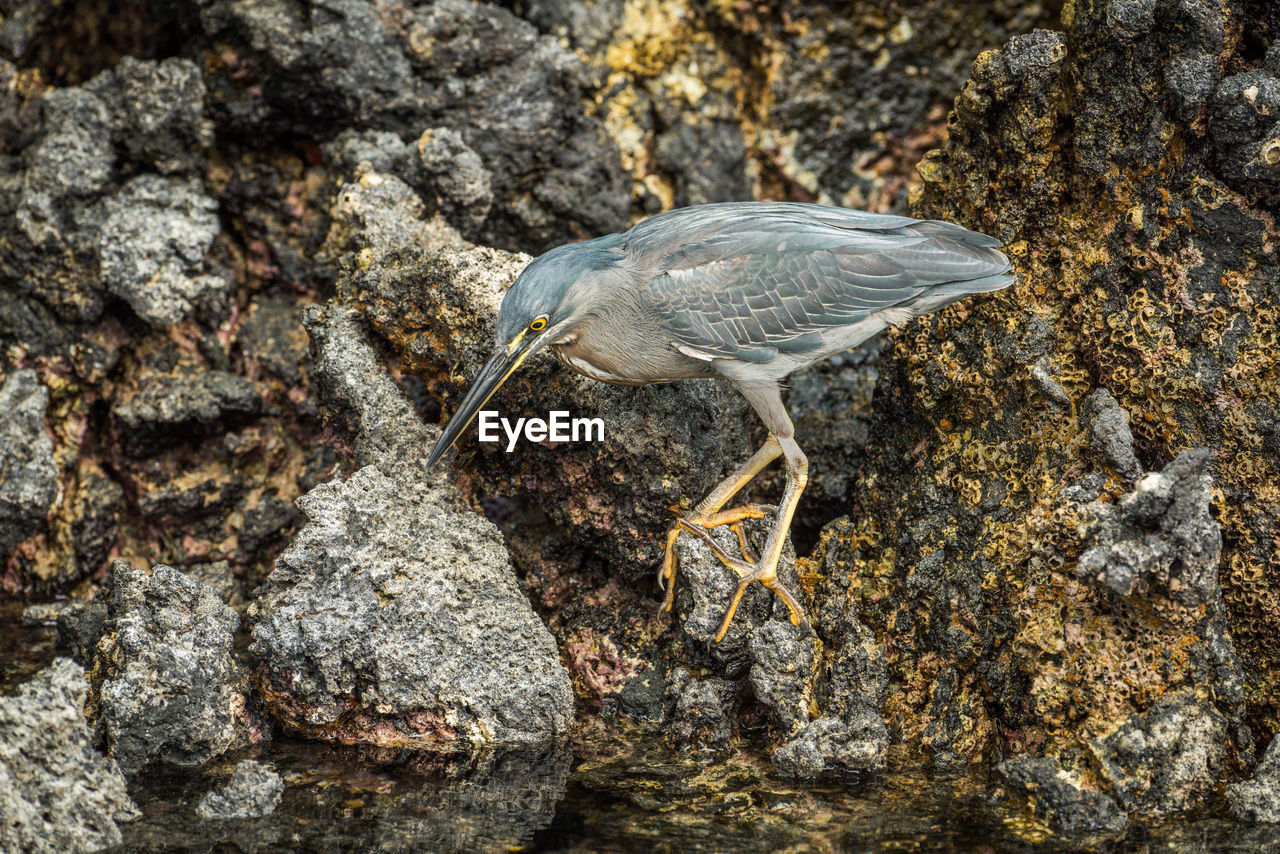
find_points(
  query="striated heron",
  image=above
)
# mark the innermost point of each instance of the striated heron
(743, 291)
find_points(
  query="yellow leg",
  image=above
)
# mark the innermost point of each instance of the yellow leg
(766, 569)
(707, 514)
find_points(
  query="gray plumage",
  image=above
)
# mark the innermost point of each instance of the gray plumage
(746, 291)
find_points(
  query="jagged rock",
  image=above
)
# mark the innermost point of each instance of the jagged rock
(172, 408)
(782, 673)
(218, 576)
(1161, 539)
(458, 175)
(152, 246)
(361, 400)
(704, 586)
(434, 645)
(157, 110)
(56, 792)
(1166, 758)
(254, 790)
(95, 513)
(972, 554)
(1060, 798)
(80, 628)
(273, 340)
(379, 152)
(28, 474)
(145, 242)
(170, 690)
(554, 174)
(855, 741)
(1108, 425)
(45, 613)
(703, 716)
(1258, 798)
(777, 657)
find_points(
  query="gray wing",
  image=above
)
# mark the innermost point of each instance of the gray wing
(748, 280)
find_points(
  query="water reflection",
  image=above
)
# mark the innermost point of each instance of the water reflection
(353, 799)
(615, 787)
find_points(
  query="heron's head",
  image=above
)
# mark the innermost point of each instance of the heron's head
(551, 296)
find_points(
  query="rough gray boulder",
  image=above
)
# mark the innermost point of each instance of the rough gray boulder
(157, 110)
(1166, 758)
(553, 172)
(777, 657)
(1059, 797)
(1108, 424)
(80, 628)
(57, 793)
(253, 790)
(394, 617)
(1258, 798)
(73, 235)
(152, 245)
(171, 408)
(171, 692)
(362, 402)
(855, 741)
(704, 713)
(460, 179)
(28, 475)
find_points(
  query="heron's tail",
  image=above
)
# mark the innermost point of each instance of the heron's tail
(945, 294)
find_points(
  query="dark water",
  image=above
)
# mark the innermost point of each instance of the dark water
(612, 787)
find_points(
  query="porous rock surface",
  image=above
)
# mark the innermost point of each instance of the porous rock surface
(1258, 798)
(855, 741)
(1027, 591)
(57, 793)
(1060, 797)
(406, 67)
(167, 689)
(253, 790)
(1127, 152)
(394, 617)
(28, 475)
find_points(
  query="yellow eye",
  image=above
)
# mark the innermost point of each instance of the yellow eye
(539, 324)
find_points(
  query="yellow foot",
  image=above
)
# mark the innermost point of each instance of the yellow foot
(766, 574)
(732, 517)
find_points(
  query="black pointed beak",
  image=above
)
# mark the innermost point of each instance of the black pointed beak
(494, 373)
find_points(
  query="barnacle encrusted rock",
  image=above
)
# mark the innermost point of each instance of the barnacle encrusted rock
(1010, 611)
(1164, 759)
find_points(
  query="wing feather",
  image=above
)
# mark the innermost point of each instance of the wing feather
(745, 280)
